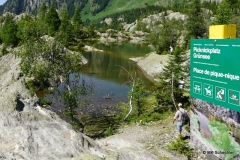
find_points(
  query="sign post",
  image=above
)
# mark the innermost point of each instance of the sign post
(215, 71)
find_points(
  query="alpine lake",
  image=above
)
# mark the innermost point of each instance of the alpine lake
(110, 73)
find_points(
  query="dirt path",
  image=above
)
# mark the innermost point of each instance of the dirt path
(152, 137)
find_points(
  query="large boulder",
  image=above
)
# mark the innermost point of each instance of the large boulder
(153, 64)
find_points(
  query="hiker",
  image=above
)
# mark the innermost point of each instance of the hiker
(178, 117)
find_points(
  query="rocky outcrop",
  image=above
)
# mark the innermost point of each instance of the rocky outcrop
(152, 21)
(143, 141)
(130, 27)
(28, 131)
(90, 49)
(114, 36)
(22, 6)
(153, 64)
(125, 149)
(32, 6)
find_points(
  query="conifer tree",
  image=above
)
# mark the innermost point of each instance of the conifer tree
(27, 29)
(65, 29)
(196, 25)
(168, 86)
(77, 20)
(9, 31)
(164, 37)
(42, 12)
(224, 14)
(53, 21)
(75, 95)
(138, 95)
(40, 21)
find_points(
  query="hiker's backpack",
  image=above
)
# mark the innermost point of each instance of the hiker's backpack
(185, 118)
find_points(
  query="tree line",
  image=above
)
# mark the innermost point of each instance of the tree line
(47, 22)
(43, 43)
(165, 40)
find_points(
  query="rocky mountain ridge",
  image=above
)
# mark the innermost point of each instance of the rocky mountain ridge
(92, 7)
(32, 6)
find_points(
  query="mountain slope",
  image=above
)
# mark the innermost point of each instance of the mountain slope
(91, 9)
(115, 6)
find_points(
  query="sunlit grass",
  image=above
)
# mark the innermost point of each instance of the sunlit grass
(115, 6)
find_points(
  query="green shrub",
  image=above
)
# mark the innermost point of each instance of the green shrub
(155, 116)
(165, 52)
(31, 86)
(34, 87)
(180, 146)
(75, 125)
(109, 131)
(80, 46)
(4, 50)
(187, 128)
(48, 90)
(45, 102)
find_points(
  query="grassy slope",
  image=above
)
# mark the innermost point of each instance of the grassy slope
(115, 6)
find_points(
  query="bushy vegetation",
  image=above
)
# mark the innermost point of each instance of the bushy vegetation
(224, 14)
(138, 95)
(196, 25)
(74, 95)
(148, 112)
(9, 31)
(47, 22)
(45, 59)
(45, 102)
(161, 37)
(181, 146)
(109, 131)
(167, 91)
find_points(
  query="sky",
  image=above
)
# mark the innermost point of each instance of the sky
(2, 1)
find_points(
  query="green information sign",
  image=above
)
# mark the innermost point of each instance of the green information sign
(215, 71)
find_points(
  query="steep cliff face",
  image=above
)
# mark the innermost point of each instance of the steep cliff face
(20, 6)
(28, 131)
(32, 6)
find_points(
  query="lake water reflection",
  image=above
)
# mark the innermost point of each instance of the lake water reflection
(108, 78)
(203, 124)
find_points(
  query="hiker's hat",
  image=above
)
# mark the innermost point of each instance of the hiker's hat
(179, 104)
